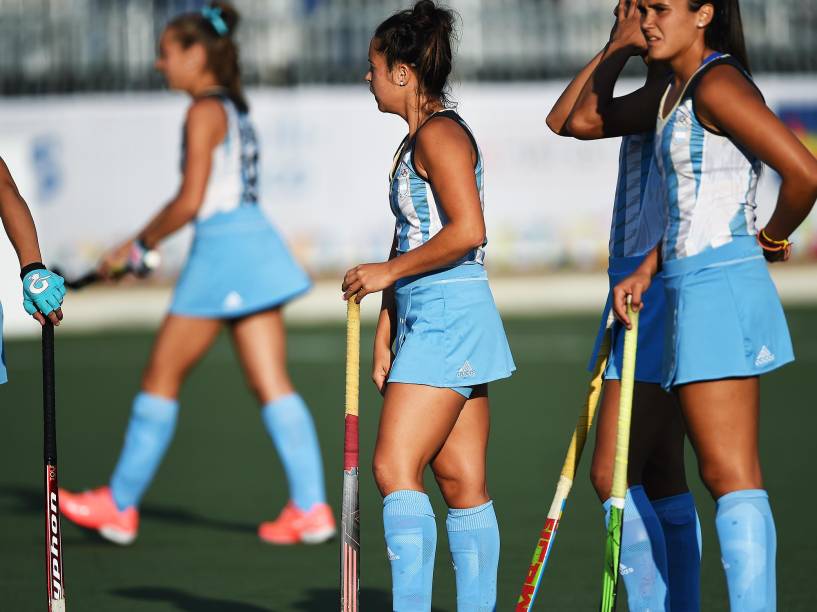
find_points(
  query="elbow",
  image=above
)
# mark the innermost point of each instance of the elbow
(474, 237)
(583, 129)
(556, 124)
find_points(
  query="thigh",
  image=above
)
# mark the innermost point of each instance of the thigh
(180, 343)
(664, 474)
(260, 341)
(721, 420)
(460, 465)
(415, 422)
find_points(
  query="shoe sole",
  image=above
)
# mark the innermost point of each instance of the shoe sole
(117, 536)
(318, 536)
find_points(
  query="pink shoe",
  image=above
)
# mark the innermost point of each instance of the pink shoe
(96, 509)
(295, 526)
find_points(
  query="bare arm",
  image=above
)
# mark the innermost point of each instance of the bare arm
(727, 101)
(206, 127)
(558, 115)
(636, 285)
(17, 220)
(443, 153)
(597, 114)
(385, 333)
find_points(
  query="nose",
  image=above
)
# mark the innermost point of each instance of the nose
(368, 77)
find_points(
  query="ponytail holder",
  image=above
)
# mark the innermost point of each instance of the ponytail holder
(213, 15)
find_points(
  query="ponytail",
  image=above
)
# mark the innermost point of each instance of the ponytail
(213, 28)
(421, 37)
(725, 31)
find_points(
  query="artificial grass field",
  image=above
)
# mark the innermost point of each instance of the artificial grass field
(197, 550)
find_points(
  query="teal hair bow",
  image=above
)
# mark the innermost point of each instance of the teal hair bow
(213, 15)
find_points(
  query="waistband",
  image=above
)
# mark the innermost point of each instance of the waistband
(471, 271)
(742, 248)
(246, 217)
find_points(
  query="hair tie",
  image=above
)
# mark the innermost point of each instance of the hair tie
(213, 15)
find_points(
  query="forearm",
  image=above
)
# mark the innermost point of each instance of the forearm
(794, 204)
(449, 245)
(651, 263)
(168, 220)
(586, 120)
(557, 118)
(19, 226)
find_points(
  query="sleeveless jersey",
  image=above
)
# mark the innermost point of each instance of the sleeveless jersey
(638, 212)
(233, 180)
(710, 181)
(418, 215)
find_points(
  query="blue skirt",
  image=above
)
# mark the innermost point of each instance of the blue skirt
(449, 333)
(651, 324)
(3, 374)
(726, 318)
(237, 265)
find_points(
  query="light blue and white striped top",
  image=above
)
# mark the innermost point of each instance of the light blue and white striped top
(418, 215)
(709, 180)
(639, 211)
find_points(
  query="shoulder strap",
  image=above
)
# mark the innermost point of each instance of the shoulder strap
(721, 60)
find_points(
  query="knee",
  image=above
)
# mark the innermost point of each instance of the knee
(601, 477)
(162, 381)
(462, 490)
(269, 388)
(722, 477)
(391, 474)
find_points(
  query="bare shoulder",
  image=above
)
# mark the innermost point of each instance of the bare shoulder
(725, 84)
(443, 136)
(206, 111)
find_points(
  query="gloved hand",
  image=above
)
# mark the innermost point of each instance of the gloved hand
(43, 292)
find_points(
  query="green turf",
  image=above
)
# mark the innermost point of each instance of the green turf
(197, 549)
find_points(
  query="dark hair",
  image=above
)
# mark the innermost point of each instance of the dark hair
(421, 37)
(725, 31)
(213, 28)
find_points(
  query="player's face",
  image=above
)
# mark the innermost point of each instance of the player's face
(383, 82)
(176, 63)
(670, 27)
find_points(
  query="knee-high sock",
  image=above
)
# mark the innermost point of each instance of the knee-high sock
(151, 427)
(748, 549)
(682, 534)
(643, 562)
(292, 430)
(411, 542)
(473, 538)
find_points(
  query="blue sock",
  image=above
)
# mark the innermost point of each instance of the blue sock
(682, 534)
(151, 427)
(748, 549)
(643, 563)
(473, 538)
(290, 426)
(411, 542)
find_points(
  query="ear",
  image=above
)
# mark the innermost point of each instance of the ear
(196, 57)
(705, 15)
(402, 74)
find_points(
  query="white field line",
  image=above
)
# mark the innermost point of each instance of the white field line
(101, 308)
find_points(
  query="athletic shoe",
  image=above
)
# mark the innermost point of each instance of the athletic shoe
(96, 509)
(294, 526)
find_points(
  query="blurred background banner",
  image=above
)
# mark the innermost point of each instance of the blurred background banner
(93, 138)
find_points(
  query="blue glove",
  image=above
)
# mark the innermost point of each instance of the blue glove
(43, 291)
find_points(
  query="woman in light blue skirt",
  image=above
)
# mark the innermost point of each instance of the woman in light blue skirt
(726, 326)
(439, 339)
(239, 274)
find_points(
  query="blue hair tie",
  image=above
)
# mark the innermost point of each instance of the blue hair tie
(213, 15)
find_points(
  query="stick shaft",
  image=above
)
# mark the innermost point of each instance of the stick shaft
(350, 509)
(541, 554)
(612, 549)
(55, 584)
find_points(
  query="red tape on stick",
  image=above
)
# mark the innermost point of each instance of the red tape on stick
(350, 443)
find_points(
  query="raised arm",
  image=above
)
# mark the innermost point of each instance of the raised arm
(597, 114)
(727, 101)
(557, 117)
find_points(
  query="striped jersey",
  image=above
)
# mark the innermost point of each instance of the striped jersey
(638, 211)
(710, 181)
(233, 180)
(418, 216)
